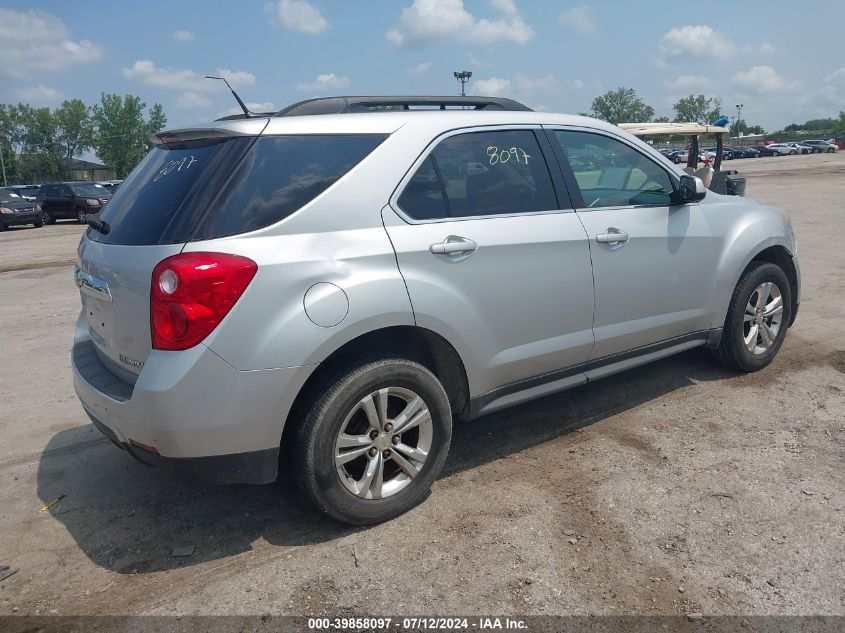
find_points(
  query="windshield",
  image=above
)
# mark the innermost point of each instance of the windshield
(8, 196)
(88, 189)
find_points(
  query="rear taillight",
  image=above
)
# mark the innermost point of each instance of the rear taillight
(191, 293)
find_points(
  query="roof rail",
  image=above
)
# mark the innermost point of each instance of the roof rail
(342, 105)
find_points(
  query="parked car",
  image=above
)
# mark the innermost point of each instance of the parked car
(316, 283)
(71, 200)
(765, 150)
(782, 149)
(15, 211)
(746, 152)
(821, 146)
(800, 148)
(27, 192)
(680, 156)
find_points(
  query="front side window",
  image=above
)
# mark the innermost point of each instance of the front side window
(479, 174)
(612, 174)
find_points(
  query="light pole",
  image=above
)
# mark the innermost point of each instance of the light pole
(3, 165)
(738, 115)
(463, 76)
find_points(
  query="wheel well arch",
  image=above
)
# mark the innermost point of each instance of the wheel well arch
(413, 342)
(782, 258)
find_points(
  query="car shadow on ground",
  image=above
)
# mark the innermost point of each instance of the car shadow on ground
(128, 518)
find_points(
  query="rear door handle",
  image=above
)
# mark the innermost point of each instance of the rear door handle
(613, 236)
(453, 245)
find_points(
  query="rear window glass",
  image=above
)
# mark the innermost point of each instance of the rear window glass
(89, 189)
(161, 200)
(279, 175)
(213, 188)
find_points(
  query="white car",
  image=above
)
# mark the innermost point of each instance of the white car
(784, 149)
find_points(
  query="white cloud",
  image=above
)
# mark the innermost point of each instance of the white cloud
(836, 75)
(492, 87)
(696, 41)
(37, 41)
(426, 21)
(577, 84)
(689, 83)
(237, 77)
(761, 79)
(420, 69)
(40, 95)
(766, 48)
(185, 79)
(182, 36)
(302, 16)
(579, 18)
(188, 100)
(253, 106)
(534, 91)
(326, 82)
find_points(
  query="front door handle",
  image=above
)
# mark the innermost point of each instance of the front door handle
(613, 236)
(453, 245)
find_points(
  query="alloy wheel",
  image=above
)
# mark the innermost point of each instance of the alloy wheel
(763, 317)
(383, 443)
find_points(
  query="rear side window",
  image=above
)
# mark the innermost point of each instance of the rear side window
(479, 174)
(216, 187)
(279, 175)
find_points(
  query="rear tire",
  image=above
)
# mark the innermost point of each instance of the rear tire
(364, 411)
(80, 216)
(758, 317)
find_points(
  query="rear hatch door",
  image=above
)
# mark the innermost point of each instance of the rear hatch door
(150, 217)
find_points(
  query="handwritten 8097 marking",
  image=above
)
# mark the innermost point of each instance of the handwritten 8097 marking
(177, 165)
(505, 155)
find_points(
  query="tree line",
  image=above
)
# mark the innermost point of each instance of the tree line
(38, 144)
(623, 105)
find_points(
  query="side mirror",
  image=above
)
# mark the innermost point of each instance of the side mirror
(691, 189)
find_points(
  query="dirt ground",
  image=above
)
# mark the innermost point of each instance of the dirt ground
(674, 488)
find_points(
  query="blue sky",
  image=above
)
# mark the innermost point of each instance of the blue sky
(782, 59)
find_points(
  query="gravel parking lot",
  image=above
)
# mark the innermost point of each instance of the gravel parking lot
(678, 487)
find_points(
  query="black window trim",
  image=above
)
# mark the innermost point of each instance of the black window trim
(560, 189)
(569, 174)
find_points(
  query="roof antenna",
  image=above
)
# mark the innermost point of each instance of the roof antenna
(247, 113)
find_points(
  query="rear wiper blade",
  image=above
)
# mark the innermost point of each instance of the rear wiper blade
(94, 221)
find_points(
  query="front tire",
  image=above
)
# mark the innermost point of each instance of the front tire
(757, 319)
(80, 216)
(374, 441)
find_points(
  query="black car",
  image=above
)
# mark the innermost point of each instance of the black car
(746, 152)
(765, 150)
(27, 192)
(14, 211)
(71, 200)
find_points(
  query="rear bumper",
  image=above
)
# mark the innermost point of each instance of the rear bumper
(255, 467)
(202, 417)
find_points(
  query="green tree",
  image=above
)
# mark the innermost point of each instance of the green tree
(121, 131)
(697, 109)
(74, 130)
(621, 106)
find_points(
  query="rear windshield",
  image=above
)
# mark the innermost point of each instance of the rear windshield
(213, 188)
(89, 189)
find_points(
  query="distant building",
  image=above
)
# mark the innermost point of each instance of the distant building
(86, 170)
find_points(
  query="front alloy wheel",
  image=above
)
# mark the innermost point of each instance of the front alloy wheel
(758, 317)
(763, 318)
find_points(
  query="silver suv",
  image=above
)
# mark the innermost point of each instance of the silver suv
(327, 288)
